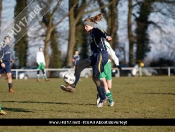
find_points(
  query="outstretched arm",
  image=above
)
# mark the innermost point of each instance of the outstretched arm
(112, 54)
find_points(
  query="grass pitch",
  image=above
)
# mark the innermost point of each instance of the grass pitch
(135, 97)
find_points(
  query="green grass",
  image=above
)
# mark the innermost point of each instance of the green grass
(135, 97)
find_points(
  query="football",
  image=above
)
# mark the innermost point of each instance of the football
(69, 78)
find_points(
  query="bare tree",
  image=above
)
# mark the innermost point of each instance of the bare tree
(111, 16)
(130, 34)
(73, 20)
(112, 21)
(49, 23)
(147, 7)
(22, 46)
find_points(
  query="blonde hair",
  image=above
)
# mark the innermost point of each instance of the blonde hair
(95, 18)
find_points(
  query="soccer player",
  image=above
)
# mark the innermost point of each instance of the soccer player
(5, 62)
(75, 59)
(97, 60)
(106, 76)
(40, 64)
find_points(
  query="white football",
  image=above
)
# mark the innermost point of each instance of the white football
(69, 78)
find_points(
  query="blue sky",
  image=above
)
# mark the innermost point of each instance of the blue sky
(158, 47)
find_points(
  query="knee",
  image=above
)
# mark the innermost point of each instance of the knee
(9, 75)
(96, 77)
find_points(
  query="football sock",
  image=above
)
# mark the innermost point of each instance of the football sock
(45, 77)
(101, 93)
(10, 85)
(37, 77)
(109, 95)
(76, 80)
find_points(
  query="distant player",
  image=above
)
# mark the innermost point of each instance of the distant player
(76, 59)
(5, 61)
(40, 59)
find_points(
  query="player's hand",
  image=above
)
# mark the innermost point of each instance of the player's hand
(3, 65)
(109, 38)
(12, 61)
(119, 67)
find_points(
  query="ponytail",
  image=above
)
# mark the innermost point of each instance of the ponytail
(95, 18)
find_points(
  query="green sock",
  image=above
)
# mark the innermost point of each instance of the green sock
(109, 95)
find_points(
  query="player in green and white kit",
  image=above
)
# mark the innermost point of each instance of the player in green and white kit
(40, 64)
(106, 76)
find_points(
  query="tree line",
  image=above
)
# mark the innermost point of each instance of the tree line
(73, 13)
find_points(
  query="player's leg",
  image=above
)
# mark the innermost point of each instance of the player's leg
(38, 76)
(10, 83)
(78, 68)
(38, 73)
(43, 71)
(102, 78)
(9, 77)
(107, 91)
(1, 71)
(106, 78)
(109, 94)
(109, 84)
(100, 61)
(44, 74)
(98, 97)
(100, 89)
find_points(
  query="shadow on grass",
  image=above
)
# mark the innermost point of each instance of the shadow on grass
(61, 103)
(16, 109)
(161, 93)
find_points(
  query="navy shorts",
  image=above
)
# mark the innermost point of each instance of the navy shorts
(7, 68)
(98, 61)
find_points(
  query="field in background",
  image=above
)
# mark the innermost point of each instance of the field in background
(135, 97)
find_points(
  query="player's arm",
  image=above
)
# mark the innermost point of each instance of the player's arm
(113, 55)
(44, 60)
(102, 34)
(12, 61)
(37, 58)
(2, 55)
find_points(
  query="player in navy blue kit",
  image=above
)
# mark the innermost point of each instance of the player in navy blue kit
(5, 62)
(76, 59)
(97, 60)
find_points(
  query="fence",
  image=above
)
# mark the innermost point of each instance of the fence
(169, 71)
(33, 72)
